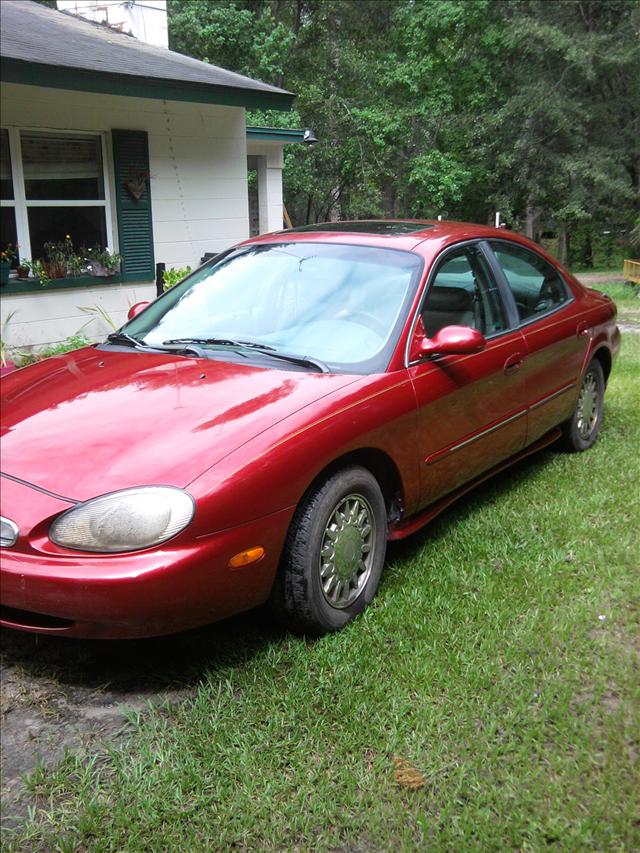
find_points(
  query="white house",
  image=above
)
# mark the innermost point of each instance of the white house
(122, 144)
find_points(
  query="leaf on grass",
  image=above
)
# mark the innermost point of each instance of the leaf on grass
(407, 774)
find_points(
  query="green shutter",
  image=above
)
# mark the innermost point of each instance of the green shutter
(135, 228)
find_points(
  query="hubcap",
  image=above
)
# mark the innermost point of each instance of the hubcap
(588, 404)
(347, 551)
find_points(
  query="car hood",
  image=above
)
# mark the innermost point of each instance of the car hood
(94, 421)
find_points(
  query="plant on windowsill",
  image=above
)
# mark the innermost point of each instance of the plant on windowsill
(7, 257)
(60, 259)
(38, 271)
(102, 263)
(23, 269)
(32, 269)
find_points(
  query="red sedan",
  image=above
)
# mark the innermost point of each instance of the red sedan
(261, 430)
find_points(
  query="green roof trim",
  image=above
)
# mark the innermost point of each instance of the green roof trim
(275, 134)
(57, 77)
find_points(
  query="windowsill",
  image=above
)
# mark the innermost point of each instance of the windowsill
(32, 285)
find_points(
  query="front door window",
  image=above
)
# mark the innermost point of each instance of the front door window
(463, 293)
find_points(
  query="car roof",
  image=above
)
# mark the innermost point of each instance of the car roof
(428, 237)
(389, 227)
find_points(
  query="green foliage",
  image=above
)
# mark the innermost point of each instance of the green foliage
(71, 343)
(4, 350)
(98, 257)
(427, 107)
(38, 271)
(499, 657)
(97, 312)
(173, 276)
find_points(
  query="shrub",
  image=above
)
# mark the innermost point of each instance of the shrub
(171, 277)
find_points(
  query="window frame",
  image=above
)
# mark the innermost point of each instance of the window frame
(500, 286)
(506, 287)
(21, 204)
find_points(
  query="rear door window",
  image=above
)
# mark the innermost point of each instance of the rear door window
(537, 287)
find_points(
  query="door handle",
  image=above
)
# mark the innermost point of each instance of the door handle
(512, 364)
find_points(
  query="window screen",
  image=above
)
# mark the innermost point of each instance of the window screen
(62, 167)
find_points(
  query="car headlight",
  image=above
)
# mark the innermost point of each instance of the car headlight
(124, 521)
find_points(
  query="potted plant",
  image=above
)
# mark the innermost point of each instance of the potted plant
(23, 269)
(7, 257)
(61, 259)
(102, 263)
(38, 271)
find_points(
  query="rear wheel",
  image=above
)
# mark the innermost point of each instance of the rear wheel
(581, 431)
(333, 557)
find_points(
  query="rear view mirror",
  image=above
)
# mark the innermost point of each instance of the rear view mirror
(136, 309)
(453, 340)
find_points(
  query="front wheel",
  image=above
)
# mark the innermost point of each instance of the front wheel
(334, 553)
(581, 430)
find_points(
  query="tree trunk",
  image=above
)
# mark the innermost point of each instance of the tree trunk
(530, 221)
(388, 198)
(588, 250)
(564, 244)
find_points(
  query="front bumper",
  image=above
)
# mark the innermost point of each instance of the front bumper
(179, 585)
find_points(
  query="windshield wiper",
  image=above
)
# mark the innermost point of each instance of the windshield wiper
(221, 342)
(302, 360)
(129, 340)
(124, 338)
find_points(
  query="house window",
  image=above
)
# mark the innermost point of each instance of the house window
(8, 233)
(54, 184)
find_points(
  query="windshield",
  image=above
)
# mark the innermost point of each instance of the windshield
(341, 304)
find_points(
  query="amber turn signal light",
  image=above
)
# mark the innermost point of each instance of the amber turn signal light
(245, 558)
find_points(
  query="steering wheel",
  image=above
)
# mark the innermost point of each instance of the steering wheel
(363, 318)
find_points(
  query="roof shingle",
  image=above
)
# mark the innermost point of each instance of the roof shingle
(39, 37)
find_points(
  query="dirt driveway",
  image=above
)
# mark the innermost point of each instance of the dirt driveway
(60, 694)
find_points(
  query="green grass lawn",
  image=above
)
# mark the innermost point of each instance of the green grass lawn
(500, 658)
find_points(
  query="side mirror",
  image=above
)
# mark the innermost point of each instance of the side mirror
(136, 309)
(453, 340)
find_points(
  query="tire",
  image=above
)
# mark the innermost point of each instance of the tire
(333, 557)
(581, 430)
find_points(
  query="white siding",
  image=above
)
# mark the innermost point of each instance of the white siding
(47, 317)
(270, 162)
(198, 188)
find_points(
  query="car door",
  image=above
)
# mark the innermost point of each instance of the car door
(471, 408)
(556, 343)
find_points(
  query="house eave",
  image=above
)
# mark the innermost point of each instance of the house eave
(128, 85)
(275, 134)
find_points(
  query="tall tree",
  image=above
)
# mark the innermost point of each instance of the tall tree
(427, 107)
